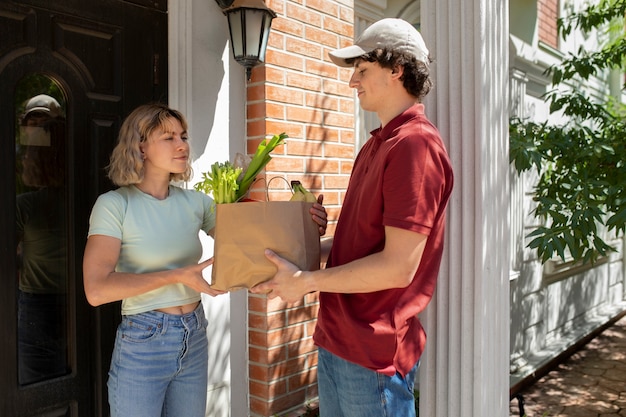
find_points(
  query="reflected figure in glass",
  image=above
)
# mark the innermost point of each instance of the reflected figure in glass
(41, 241)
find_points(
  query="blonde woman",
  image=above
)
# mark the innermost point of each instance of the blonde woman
(143, 249)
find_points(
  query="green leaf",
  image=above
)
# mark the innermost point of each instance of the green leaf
(580, 163)
(259, 160)
(221, 182)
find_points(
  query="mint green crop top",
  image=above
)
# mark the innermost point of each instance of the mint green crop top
(156, 235)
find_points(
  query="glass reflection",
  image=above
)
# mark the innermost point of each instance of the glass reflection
(41, 240)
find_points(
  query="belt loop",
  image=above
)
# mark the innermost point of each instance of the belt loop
(199, 312)
(164, 322)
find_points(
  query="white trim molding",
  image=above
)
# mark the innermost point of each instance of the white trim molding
(466, 362)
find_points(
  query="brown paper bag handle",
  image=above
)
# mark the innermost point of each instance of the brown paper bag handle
(267, 185)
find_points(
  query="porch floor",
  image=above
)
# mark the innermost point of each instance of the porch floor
(590, 383)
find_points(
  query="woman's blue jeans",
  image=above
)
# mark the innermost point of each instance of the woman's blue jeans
(159, 366)
(350, 390)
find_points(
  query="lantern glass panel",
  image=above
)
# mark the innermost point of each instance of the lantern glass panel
(267, 23)
(236, 32)
(254, 31)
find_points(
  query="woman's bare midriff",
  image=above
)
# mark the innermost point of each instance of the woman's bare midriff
(179, 310)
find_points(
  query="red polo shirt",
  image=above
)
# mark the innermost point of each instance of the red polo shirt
(403, 178)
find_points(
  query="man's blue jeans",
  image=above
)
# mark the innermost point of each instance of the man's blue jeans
(159, 366)
(350, 390)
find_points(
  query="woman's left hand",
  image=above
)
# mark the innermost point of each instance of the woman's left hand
(318, 212)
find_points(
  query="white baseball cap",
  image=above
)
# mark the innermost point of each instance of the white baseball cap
(44, 104)
(391, 33)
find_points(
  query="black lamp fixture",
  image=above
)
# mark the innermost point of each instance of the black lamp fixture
(249, 23)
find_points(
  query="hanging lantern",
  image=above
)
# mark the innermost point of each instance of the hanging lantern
(249, 22)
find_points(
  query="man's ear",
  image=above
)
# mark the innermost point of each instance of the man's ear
(397, 71)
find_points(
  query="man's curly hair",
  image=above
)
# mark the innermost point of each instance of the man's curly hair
(416, 77)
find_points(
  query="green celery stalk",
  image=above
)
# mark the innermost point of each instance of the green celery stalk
(221, 180)
(259, 160)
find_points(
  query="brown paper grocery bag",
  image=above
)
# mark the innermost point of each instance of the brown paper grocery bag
(244, 230)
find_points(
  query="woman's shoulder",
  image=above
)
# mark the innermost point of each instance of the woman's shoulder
(118, 196)
(187, 193)
(117, 193)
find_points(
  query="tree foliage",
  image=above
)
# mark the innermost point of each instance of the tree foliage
(581, 164)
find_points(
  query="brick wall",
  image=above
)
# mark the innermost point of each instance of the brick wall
(547, 15)
(300, 92)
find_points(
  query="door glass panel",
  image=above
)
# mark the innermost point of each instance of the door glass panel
(40, 159)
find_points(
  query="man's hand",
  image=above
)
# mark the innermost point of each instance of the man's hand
(288, 283)
(318, 212)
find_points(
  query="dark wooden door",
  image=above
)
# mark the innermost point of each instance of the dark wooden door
(97, 59)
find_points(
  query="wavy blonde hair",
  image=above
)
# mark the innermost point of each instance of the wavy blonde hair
(126, 164)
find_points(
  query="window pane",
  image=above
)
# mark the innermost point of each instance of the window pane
(40, 151)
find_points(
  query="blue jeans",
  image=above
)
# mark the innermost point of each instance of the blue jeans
(350, 390)
(159, 365)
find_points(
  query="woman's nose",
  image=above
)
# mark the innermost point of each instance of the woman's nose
(181, 143)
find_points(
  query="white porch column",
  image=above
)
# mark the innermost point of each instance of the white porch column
(465, 370)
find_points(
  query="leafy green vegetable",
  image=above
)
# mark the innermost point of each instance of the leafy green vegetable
(259, 160)
(221, 180)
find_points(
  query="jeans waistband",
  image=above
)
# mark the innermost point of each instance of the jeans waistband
(194, 319)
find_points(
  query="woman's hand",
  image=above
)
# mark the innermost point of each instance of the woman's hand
(104, 285)
(318, 212)
(192, 277)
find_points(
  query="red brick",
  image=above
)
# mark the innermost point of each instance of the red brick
(338, 151)
(257, 303)
(284, 95)
(283, 59)
(303, 48)
(301, 347)
(255, 110)
(347, 136)
(266, 391)
(339, 120)
(302, 314)
(288, 26)
(336, 181)
(324, 6)
(346, 14)
(276, 40)
(286, 164)
(275, 111)
(259, 406)
(321, 101)
(346, 106)
(288, 401)
(302, 14)
(303, 379)
(345, 167)
(338, 26)
(304, 148)
(322, 37)
(255, 93)
(285, 335)
(321, 68)
(323, 165)
(340, 88)
(277, 6)
(303, 81)
(274, 75)
(323, 134)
